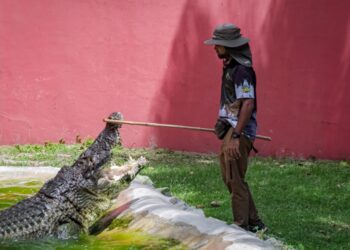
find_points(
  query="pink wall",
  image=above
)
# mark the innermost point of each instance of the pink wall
(64, 65)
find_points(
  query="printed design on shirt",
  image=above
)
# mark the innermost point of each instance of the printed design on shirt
(228, 76)
(231, 111)
(233, 108)
(245, 90)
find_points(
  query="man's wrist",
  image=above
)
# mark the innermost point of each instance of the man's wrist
(236, 135)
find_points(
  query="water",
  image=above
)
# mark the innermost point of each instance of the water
(14, 190)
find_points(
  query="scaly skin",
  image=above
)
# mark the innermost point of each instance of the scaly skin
(70, 202)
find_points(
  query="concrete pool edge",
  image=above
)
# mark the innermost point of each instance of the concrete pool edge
(164, 215)
(169, 217)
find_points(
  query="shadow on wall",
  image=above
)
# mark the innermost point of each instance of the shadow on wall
(304, 78)
(187, 96)
(301, 53)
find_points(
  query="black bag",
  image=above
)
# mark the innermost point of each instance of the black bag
(221, 128)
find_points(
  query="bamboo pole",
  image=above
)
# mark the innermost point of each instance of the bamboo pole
(150, 124)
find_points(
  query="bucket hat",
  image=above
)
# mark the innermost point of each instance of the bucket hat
(228, 35)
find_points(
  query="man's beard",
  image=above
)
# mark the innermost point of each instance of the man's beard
(221, 56)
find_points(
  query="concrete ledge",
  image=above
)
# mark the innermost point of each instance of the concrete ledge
(169, 217)
(163, 215)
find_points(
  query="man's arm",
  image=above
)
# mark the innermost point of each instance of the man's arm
(244, 116)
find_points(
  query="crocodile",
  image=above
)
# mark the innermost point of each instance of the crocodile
(68, 204)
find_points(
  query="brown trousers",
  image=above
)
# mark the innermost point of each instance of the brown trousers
(233, 173)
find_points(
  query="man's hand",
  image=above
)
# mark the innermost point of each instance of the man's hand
(232, 149)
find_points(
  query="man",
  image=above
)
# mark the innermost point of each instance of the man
(236, 124)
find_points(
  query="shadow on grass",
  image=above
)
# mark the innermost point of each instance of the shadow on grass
(304, 204)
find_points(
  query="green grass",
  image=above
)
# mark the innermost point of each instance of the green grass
(306, 204)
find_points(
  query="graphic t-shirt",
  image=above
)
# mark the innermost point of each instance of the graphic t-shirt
(238, 82)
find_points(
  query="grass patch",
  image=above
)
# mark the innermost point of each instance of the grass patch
(121, 223)
(304, 203)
